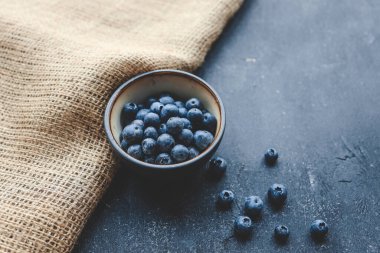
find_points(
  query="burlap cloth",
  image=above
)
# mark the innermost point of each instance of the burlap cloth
(59, 63)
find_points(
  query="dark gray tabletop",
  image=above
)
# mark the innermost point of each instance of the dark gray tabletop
(300, 76)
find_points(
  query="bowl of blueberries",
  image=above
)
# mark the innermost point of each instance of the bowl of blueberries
(165, 122)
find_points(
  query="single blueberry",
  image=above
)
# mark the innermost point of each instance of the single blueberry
(148, 146)
(133, 133)
(156, 107)
(209, 122)
(138, 122)
(243, 226)
(217, 167)
(124, 145)
(203, 139)
(180, 153)
(277, 194)
(169, 111)
(193, 152)
(179, 104)
(141, 114)
(152, 119)
(271, 156)
(140, 106)
(193, 103)
(163, 159)
(319, 229)
(186, 123)
(281, 233)
(186, 137)
(165, 143)
(163, 129)
(150, 132)
(195, 116)
(129, 110)
(149, 159)
(182, 112)
(135, 151)
(174, 125)
(150, 101)
(225, 199)
(253, 206)
(166, 99)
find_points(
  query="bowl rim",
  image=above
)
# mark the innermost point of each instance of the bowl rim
(119, 91)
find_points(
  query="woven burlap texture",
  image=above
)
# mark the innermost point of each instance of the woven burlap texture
(59, 63)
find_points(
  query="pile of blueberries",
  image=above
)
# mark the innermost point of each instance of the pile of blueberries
(166, 131)
(253, 206)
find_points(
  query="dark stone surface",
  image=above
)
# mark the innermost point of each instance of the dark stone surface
(300, 76)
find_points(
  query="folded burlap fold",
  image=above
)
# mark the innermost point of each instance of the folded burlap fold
(59, 63)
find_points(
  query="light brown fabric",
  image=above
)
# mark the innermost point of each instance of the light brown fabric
(59, 63)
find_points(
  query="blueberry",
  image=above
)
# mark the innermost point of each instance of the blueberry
(174, 125)
(133, 133)
(243, 226)
(277, 194)
(152, 119)
(217, 167)
(193, 103)
(281, 233)
(182, 112)
(135, 151)
(203, 139)
(140, 106)
(186, 123)
(319, 229)
(150, 132)
(156, 107)
(271, 156)
(185, 137)
(169, 111)
(150, 101)
(179, 104)
(124, 145)
(179, 153)
(162, 129)
(141, 114)
(138, 122)
(149, 159)
(166, 99)
(195, 116)
(193, 152)
(129, 110)
(225, 198)
(209, 122)
(165, 143)
(163, 159)
(253, 206)
(148, 146)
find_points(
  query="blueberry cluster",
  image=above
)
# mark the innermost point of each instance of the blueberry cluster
(165, 131)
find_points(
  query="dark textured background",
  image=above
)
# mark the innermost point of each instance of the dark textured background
(302, 76)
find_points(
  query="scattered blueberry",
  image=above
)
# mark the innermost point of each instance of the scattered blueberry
(271, 156)
(243, 226)
(319, 229)
(281, 233)
(193, 152)
(182, 112)
(124, 145)
(217, 167)
(156, 107)
(165, 143)
(152, 119)
(253, 206)
(169, 111)
(149, 159)
(135, 151)
(209, 122)
(179, 104)
(129, 110)
(193, 103)
(180, 153)
(277, 194)
(203, 139)
(150, 132)
(225, 198)
(138, 122)
(166, 99)
(148, 146)
(163, 159)
(163, 129)
(174, 125)
(132, 133)
(141, 114)
(185, 137)
(195, 116)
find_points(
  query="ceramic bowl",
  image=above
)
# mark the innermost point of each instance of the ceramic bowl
(180, 84)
